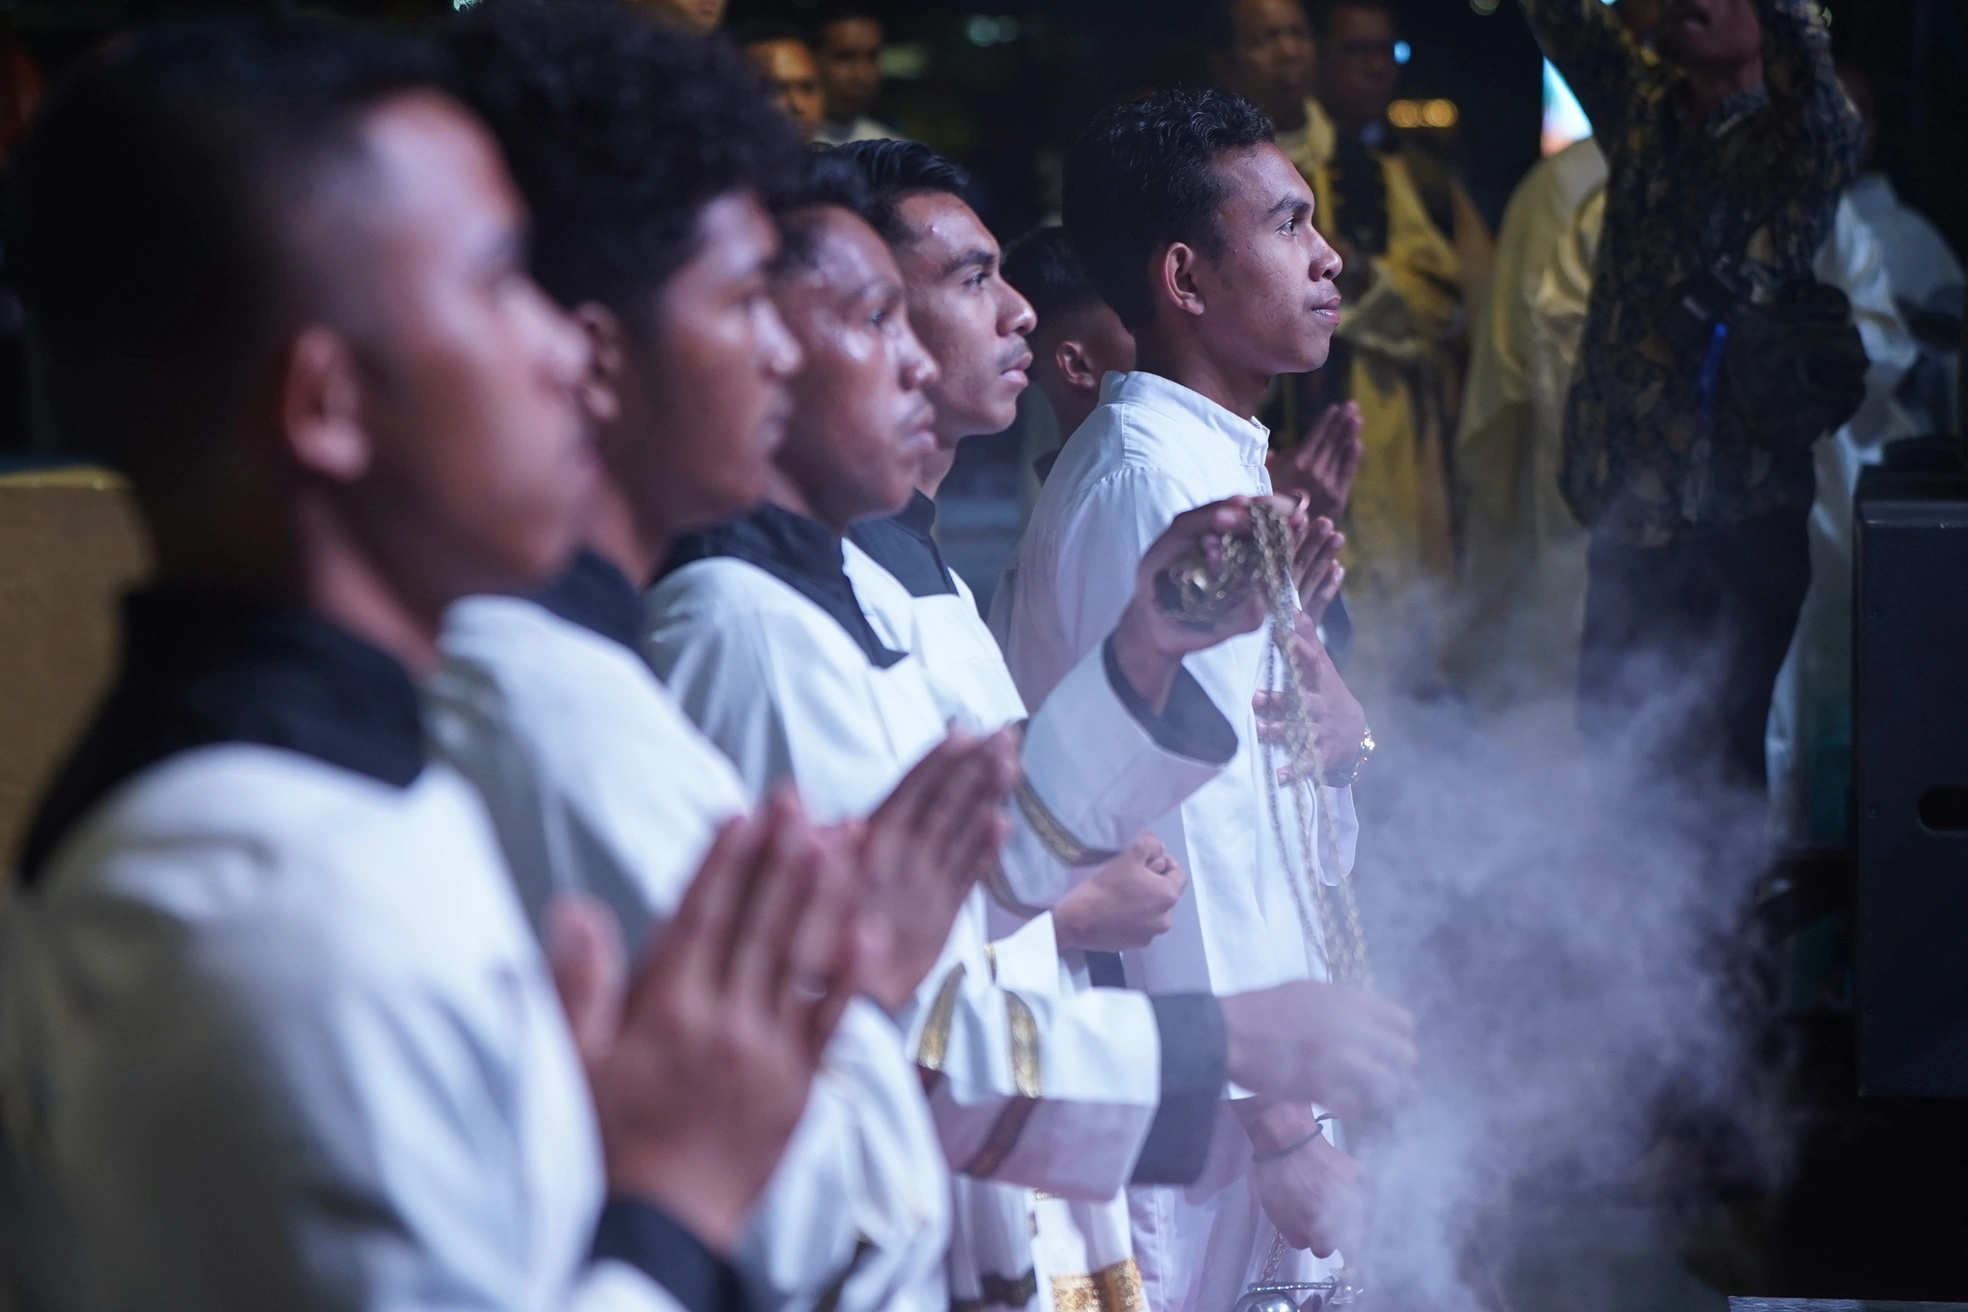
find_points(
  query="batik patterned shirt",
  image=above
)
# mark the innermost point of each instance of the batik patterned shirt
(1750, 191)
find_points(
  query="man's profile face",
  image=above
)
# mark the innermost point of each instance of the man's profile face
(850, 66)
(1271, 54)
(1357, 71)
(699, 16)
(479, 466)
(789, 71)
(703, 400)
(971, 320)
(1269, 298)
(1710, 32)
(862, 422)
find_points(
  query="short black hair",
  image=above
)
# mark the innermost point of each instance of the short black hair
(1143, 175)
(894, 171)
(830, 179)
(156, 195)
(1322, 14)
(620, 130)
(1041, 267)
(758, 31)
(841, 13)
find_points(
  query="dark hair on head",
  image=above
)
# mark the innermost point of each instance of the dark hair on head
(842, 12)
(758, 31)
(830, 179)
(620, 130)
(894, 171)
(1323, 10)
(157, 193)
(1042, 268)
(1143, 175)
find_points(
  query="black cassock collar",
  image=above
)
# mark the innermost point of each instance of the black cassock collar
(598, 597)
(201, 668)
(801, 553)
(903, 545)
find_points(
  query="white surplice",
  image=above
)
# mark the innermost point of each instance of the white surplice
(1011, 1247)
(1052, 1091)
(275, 1034)
(1152, 450)
(598, 783)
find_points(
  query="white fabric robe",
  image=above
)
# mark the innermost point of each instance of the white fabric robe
(249, 966)
(598, 783)
(1040, 1089)
(1152, 450)
(1001, 1231)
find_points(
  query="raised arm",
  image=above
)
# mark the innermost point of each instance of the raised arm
(1604, 67)
(1819, 133)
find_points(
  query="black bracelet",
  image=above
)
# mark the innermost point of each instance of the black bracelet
(1318, 1132)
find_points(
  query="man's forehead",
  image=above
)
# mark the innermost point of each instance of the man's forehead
(1254, 17)
(423, 152)
(852, 32)
(1259, 176)
(848, 255)
(945, 231)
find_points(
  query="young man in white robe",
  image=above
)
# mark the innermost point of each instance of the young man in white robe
(595, 779)
(761, 634)
(1010, 1241)
(274, 1031)
(1194, 226)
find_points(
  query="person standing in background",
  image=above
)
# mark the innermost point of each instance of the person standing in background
(699, 16)
(1725, 160)
(783, 59)
(1414, 250)
(849, 48)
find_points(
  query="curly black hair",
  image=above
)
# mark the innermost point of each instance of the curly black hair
(1143, 175)
(620, 130)
(153, 196)
(894, 171)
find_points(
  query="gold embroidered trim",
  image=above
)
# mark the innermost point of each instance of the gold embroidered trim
(1115, 1288)
(1025, 1069)
(1057, 838)
(999, 887)
(935, 1045)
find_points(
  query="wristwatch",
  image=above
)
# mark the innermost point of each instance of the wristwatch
(1344, 778)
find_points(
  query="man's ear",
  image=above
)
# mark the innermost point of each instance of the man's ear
(601, 387)
(1075, 365)
(1175, 277)
(321, 406)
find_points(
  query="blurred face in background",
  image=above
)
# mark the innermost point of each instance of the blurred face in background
(1710, 33)
(1270, 59)
(1357, 69)
(788, 69)
(700, 16)
(850, 66)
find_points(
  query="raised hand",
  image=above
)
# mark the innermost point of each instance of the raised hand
(1308, 1041)
(1339, 723)
(1149, 642)
(1316, 568)
(700, 1068)
(1127, 903)
(1322, 467)
(921, 852)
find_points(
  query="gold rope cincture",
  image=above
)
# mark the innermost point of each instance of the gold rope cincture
(1339, 938)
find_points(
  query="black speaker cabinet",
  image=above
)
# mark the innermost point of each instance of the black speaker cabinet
(1910, 764)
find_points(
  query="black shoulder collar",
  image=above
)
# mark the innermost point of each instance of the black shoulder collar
(804, 555)
(598, 597)
(903, 545)
(202, 668)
